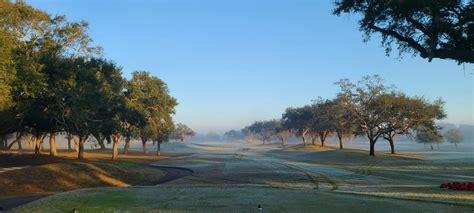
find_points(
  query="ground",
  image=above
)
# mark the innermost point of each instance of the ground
(238, 177)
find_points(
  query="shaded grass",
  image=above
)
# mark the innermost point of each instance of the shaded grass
(49, 175)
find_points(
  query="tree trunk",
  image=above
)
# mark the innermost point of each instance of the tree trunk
(282, 141)
(372, 147)
(3, 142)
(127, 145)
(392, 146)
(437, 145)
(456, 145)
(158, 148)
(38, 139)
(304, 141)
(16, 141)
(313, 140)
(101, 143)
(52, 144)
(76, 143)
(321, 136)
(69, 137)
(116, 140)
(431, 145)
(339, 136)
(82, 140)
(145, 148)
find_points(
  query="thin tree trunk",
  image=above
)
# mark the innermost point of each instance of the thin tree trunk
(431, 146)
(282, 141)
(127, 145)
(339, 136)
(158, 148)
(304, 141)
(52, 144)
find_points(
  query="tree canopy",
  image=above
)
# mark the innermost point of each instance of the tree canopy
(432, 29)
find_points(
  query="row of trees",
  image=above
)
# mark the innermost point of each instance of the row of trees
(52, 80)
(363, 108)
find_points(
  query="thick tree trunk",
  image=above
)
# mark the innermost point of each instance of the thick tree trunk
(282, 139)
(116, 140)
(52, 144)
(313, 140)
(76, 143)
(158, 148)
(127, 145)
(145, 148)
(339, 136)
(372, 147)
(82, 140)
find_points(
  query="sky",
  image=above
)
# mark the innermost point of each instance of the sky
(232, 62)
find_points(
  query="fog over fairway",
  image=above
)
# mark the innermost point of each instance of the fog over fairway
(240, 175)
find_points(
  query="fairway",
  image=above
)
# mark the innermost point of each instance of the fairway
(237, 177)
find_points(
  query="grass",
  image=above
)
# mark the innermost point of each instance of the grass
(49, 175)
(244, 198)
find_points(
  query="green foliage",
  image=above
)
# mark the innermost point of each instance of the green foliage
(264, 129)
(433, 29)
(454, 136)
(182, 132)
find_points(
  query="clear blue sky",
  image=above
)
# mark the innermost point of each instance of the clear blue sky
(231, 62)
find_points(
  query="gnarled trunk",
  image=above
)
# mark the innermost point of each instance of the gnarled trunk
(52, 144)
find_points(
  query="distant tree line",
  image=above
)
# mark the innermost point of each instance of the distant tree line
(364, 108)
(53, 81)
